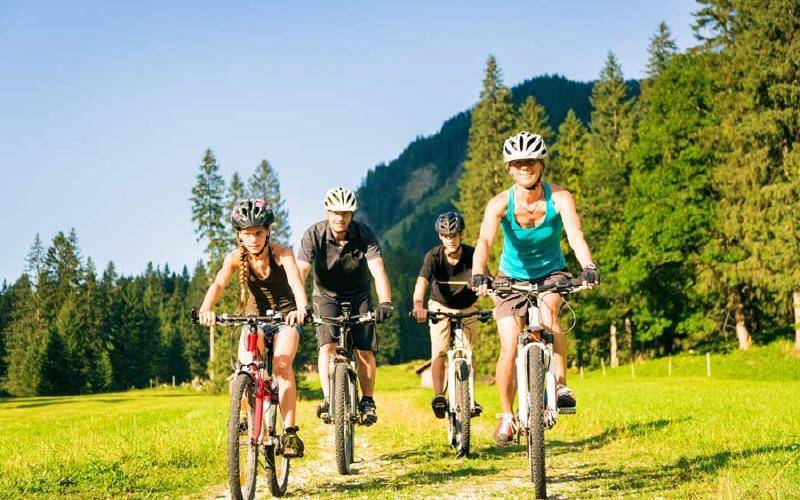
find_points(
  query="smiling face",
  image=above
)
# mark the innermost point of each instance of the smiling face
(526, 172)
(254, 238)
(339, 221)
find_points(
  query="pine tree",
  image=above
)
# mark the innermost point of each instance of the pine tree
(23, 340)
(533, 117)
(569, 154)
(662, 48)
(757, 173)
(484, 172)
(34, 261)
(264, 184)
(208, 210)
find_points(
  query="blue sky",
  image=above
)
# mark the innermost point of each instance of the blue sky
(107, 107)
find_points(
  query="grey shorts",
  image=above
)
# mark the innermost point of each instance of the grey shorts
(516, 304)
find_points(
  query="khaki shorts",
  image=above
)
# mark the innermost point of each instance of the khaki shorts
(440, 331)
(516, 304)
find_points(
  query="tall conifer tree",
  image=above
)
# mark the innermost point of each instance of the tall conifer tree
(208, 209)
(264, 184)
(533, 117)
(484, 171)
(569, 154)
(662, 48)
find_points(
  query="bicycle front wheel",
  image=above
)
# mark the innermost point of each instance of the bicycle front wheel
(276, 464)
(463, 409)
(242, 450)
(535, 422)
(343, 424)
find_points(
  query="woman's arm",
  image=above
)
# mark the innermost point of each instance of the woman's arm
(286, 259)
(206, 314)
(494, 212)
(565, 204)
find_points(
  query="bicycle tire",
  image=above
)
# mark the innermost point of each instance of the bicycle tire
(277, 466)
(343, 425)
(242, 481)
(463, 409)
(536, 408)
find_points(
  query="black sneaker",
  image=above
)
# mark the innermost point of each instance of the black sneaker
(439, 406)
(564, 397)
(476, 412)
(324, 411)
(291, 443)
(367, 409)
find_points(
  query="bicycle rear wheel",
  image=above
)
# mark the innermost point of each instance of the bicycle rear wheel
(276, 464)
(535, 422)
(343, 424)
(242, 451)
(463, 409)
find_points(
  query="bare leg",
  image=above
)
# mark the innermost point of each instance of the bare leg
(438, 374)
(323, 358)
(550, 307)
(366, 372)
(285, 349)
(506, 372)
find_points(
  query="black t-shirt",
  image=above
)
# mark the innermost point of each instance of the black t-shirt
(339, 271)
(437, 270)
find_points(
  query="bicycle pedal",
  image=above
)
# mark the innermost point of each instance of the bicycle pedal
(567, 411)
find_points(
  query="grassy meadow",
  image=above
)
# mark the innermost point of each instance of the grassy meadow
(735, 434)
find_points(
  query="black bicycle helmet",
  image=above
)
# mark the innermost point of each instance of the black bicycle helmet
(449, 223)
(252, 212)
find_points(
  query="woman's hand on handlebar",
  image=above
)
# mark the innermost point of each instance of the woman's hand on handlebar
(481, 284)
(206, 318)
(296, 318)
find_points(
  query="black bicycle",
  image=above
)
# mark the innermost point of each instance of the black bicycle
(343, 384)
(536, 379)
(254, 423)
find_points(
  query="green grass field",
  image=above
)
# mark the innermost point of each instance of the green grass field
(733, 435)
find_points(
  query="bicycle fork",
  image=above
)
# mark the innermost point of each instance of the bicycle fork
(464, 359)
(337, 359)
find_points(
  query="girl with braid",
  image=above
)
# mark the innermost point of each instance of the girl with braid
(269, 280)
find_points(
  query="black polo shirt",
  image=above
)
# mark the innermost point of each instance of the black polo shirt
(339, 271)
(437, 271)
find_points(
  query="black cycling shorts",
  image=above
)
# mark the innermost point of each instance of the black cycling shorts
(362, 336)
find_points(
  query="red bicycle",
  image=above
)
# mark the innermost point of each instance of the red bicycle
(254, 424)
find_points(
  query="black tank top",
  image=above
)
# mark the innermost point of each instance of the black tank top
(273, 292)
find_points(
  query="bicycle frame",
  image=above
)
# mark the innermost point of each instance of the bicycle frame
(266, 390)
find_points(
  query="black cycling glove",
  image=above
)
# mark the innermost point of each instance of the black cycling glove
(590, 275)
(480, 279)
(383, 312)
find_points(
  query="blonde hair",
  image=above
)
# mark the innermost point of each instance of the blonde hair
(244, 274)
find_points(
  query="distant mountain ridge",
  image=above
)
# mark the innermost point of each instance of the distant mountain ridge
(420, 183)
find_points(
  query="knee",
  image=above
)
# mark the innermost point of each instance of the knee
(282, 366)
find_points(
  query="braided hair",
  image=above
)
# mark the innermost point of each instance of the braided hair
(244, 274)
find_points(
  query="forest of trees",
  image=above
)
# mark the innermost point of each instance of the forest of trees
(687, 184)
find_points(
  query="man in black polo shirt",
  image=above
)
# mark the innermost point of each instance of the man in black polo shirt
(343, 253)
(448, 267)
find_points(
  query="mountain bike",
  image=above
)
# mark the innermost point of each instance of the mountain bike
(254, 423)
(460, 379)
(343, 384)
(536, 377)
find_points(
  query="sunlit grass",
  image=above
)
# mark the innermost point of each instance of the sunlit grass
(733, 435)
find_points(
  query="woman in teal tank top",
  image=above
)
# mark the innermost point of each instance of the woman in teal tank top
(533, 215)
(534, 252)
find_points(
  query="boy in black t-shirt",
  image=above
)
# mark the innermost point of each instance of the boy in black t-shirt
(448, 268)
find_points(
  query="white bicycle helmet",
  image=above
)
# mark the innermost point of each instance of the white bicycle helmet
(524, 146)
(340, 199)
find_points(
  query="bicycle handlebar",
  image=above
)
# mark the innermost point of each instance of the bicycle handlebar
(434, 316)
(342, 321)
(561, 287)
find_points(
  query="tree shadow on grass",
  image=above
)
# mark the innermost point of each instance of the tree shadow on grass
(660, 478)
(636, 429)
(306, 391)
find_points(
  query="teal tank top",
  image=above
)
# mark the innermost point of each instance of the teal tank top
(532, 253)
